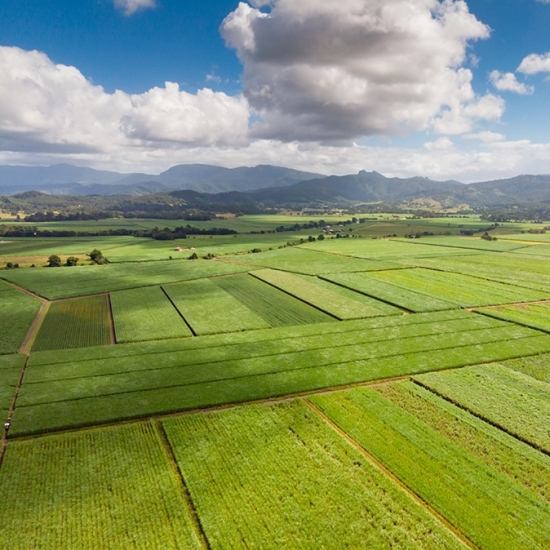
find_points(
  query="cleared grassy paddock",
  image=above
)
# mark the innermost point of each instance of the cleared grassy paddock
(211, 310)
(146, 314)
(103, 488)
(538, 367)
(513, 401)
(472, 243)
(77, 323)
(17, 313)
(490, 508)
(271, 304)
(326, 296)
(292, 483)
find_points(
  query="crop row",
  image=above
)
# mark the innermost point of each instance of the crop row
(533, 315)
(384, 338)
(279, 477)
(109, 488)
(490, 445)
(17, 312)
(391, 293)
(146, 314)
(459, 289)
(256, 378)
(537, 367)
(514, 402)
(491, 509)
(10, 372)
(470, 243)
(75, 324)
(271, 304)
(211, 310)
(429, 321)
(335, 300)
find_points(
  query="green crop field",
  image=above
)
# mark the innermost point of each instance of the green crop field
(146, 314)
(93, 391)
(309, 262)
(374, 391)
(78, 281)
(495, 448)
(537, 366)
(110, 488)
(77, 323)
(490, 508)
(288, 476)
(402, 297)
(10, 372)
(326, 296)
(211, 310)
(515, 402)
(17, 312)
(462, 290)
(272, 305)
(533, 315)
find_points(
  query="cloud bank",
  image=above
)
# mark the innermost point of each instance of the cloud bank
(507, 82)
(129, 7)
(47, 107)
(319, 70)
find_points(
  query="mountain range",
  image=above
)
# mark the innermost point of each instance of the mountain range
(212, 187)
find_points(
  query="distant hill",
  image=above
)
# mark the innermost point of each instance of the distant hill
(66, 179)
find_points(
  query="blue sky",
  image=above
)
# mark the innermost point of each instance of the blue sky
(404, 87)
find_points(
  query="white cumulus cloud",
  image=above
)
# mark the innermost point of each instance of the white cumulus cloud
(47, 107)
(321, 70)
(535, 63)
(129, 7)
(507, 82)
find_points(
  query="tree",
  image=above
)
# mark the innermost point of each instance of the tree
(97, 257)
(54, 261)
(321, 237)
(311, 238)
(71, 261)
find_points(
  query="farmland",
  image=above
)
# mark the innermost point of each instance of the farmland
(146, 314)
(77, 323)
(210, 310)
(289, 393)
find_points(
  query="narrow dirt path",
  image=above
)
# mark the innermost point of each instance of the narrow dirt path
(35, 327)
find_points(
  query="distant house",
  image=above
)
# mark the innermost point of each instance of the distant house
(177, 249)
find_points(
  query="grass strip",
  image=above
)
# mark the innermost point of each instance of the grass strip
(532, 315)
(278, 477)
(488, 507)
(537, 367)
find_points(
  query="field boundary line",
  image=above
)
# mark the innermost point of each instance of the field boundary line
(25, 291)
(519, 323)
(4, 444)
(178, 311)
(389, 474)
(480, 416)
(297, 297)
(180, 480)
(28, 342)
(111, 318)
(377, 298)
